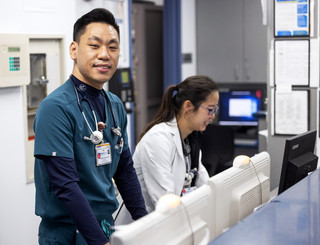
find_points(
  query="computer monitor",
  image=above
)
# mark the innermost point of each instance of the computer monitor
(298, 159)
(189, 223)
(239, 190)
(239, 103)
(204, 213)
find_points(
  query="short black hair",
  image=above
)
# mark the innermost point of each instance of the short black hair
(96, 15)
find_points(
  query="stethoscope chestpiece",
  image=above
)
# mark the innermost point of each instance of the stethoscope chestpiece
(187, 179)
(189, 176)
(96, 137)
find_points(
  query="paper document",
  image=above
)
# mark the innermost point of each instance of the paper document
(291, 112)
(292, 18)
(292, 62)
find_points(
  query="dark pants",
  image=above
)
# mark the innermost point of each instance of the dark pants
(59, 234)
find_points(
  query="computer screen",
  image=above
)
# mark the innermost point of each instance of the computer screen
(189, 223)
(298, 159)
(204, 213)
(239, 102)
(239, 190)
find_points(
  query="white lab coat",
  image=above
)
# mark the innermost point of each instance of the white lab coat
(160, 163)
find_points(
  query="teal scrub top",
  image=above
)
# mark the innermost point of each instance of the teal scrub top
(59, 130)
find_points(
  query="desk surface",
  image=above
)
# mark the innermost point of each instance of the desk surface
(293, 217)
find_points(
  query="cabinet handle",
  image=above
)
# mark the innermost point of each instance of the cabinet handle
(236, 72)
(246, 70)
(43, 80)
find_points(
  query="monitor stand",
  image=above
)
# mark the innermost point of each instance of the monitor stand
(246, 136)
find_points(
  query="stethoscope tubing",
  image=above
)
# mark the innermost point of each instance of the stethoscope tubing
(115, 130)
(81, 109)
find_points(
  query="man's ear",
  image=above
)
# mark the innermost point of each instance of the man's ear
(73, 49)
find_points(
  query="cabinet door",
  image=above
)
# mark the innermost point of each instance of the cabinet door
(45, 76)
(255, 43)
(231, 40)
(220, 39)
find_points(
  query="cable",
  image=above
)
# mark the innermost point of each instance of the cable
(258, 180)
(118, 212)
(189, 221)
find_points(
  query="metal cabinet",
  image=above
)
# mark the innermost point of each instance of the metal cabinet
(231, 40)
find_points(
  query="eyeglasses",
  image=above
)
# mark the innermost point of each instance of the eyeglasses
(211, 111)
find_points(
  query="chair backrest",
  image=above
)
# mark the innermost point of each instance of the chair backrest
(217, 146)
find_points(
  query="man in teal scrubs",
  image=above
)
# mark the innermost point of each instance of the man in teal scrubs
(81, 143)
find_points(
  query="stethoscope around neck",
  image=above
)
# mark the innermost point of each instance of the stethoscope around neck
(96, 136)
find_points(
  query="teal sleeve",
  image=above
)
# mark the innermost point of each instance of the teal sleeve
(53, 131)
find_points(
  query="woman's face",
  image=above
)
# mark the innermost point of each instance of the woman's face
(199, 119)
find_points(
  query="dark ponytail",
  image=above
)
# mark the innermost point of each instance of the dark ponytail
(194, 88)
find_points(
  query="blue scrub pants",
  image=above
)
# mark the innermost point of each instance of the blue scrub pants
(51, 233)
(55, 233)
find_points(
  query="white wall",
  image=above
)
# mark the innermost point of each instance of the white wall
(188, 36)
(18, 223)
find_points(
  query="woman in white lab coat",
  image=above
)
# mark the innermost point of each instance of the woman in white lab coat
(167, 157)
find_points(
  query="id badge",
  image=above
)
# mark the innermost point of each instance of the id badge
(103, 154)
(187, 190)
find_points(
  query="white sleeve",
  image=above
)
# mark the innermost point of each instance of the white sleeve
(157, 151)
